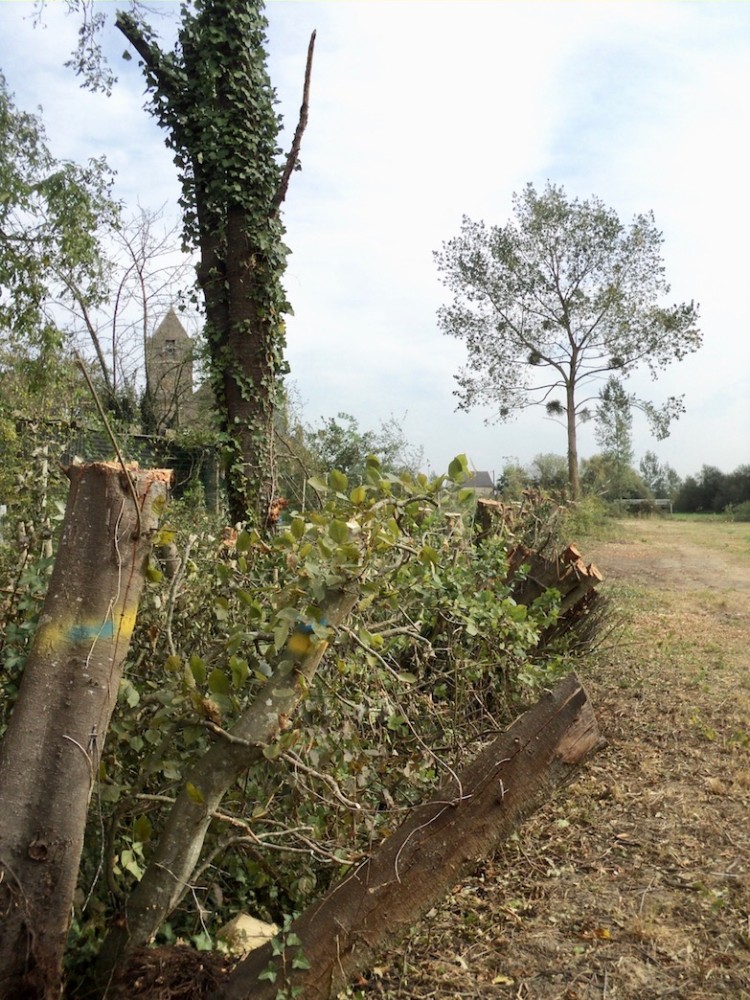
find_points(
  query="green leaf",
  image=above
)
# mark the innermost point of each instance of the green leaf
(198, 669)
(142, 829)
(173, 664)
(358, 495)
(218, 682)
(318, 485)
(297, 527)
(129, 863)
(337, 481)
(339, 531)
(280, 635)
(240, 671)
(458, 470)
(171, 770)
(244, 542)
(407, 678)
(194, 793)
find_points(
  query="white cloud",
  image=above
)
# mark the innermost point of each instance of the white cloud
(424, 111)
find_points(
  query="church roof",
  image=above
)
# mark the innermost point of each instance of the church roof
(171, 328)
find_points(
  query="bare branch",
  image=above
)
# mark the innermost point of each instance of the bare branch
(292, 159)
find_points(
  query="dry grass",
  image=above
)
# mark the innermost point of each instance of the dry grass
(635, 883)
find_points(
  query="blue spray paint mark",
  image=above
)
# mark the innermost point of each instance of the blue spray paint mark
(87, 633)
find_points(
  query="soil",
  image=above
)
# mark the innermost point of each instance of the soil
(635, 882)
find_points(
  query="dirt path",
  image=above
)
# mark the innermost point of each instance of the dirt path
(678, 555)
(635, 883)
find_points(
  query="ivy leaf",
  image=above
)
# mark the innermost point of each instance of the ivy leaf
(142, 829)
(129, 863)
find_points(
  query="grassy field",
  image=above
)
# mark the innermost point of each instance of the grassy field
(635, 882)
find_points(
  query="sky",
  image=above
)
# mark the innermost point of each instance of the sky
(423, 111)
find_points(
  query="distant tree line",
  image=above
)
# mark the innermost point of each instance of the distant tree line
(709, 491)
(604, 475)
(715, 492)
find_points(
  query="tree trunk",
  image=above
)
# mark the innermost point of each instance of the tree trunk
(574, 480)
(167, 876)
(49, 759)
(376, 905)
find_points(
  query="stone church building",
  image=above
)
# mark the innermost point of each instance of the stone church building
(170, 356)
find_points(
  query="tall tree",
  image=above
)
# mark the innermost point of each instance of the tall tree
(51, 212)
(561, 295)
(660, 478)
(614, 429)
(214, 98)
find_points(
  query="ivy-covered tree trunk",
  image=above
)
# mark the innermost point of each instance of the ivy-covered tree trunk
(50, 754)
(216, 102)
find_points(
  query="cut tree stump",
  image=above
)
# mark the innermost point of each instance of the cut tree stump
(414, 868)
(50, 754)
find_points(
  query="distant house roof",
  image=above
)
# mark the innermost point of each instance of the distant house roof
(479, 481)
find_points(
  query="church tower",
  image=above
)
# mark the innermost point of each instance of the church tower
(169, 373)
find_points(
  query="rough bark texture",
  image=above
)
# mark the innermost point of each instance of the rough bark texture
(215, 100)
(167, 877)
(50, 754)
(414, 868)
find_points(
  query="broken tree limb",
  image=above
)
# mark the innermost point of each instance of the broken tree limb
(50, 754)
(414, 868)
(168, 873)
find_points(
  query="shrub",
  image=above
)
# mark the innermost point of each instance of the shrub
(739, 512)
(436, 654)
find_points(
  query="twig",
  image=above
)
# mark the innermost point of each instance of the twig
(297, 764)
(113, 439)
(172, 595)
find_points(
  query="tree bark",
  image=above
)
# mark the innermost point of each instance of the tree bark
(49, 759)
(217, 105)
(167, 876)
(574, 479)
(375, 906)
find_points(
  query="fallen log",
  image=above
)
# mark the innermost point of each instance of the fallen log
(388, 893)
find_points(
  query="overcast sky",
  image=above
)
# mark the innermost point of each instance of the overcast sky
(423, 111)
